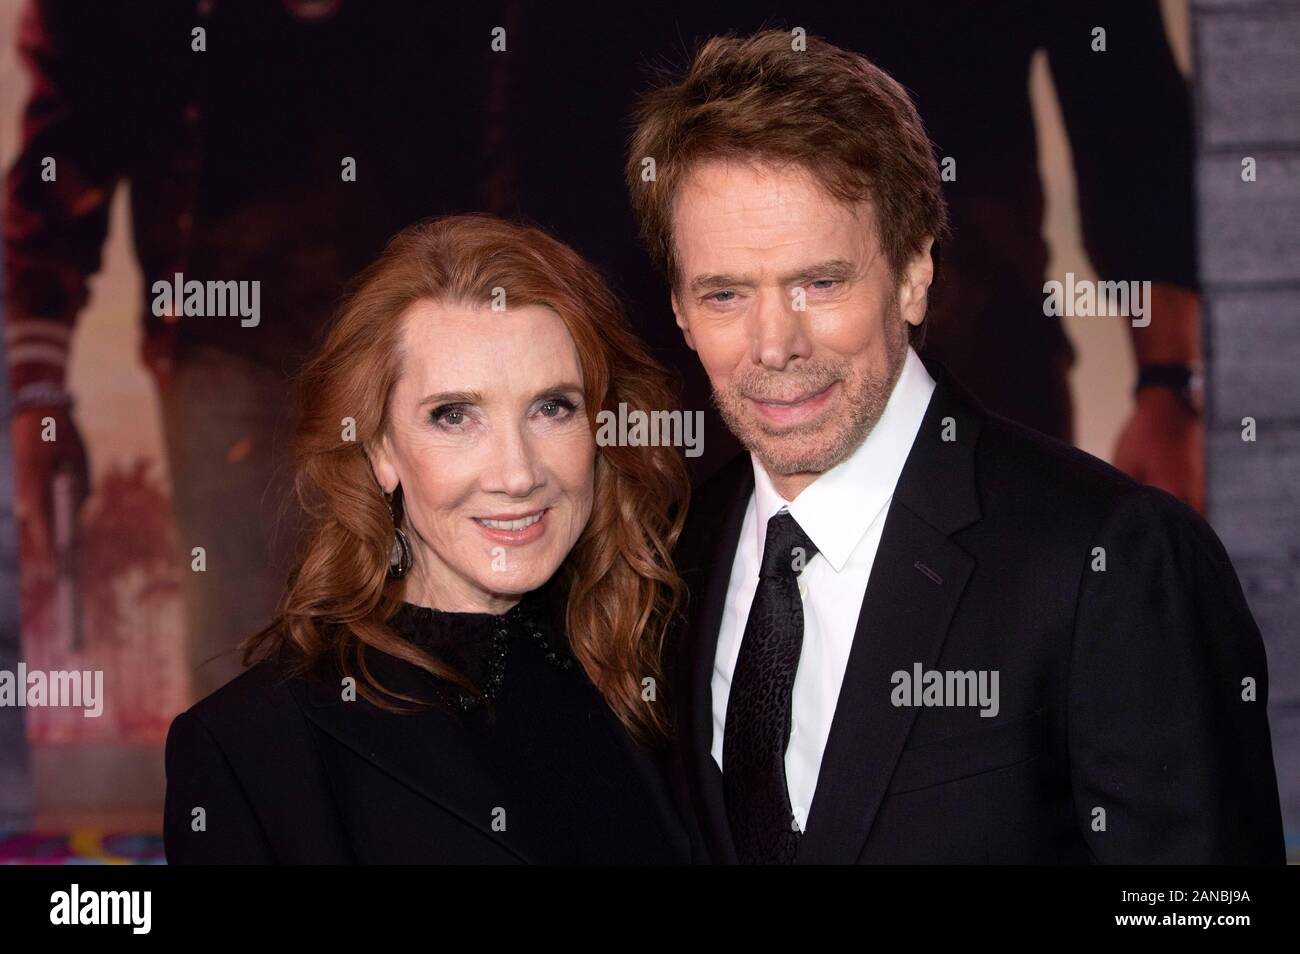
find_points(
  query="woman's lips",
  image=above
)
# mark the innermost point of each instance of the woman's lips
(530, 527)
(795, 412)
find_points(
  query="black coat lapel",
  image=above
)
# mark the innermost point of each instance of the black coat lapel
(650, 769)
(916, 581)
(427, 752)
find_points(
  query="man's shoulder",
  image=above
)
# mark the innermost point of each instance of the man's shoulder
(712, 500)
(1023, 477)
(1023, 468)
(723, 485)
(1035, 479)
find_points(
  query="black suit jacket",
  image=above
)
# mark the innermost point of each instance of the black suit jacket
(1122, 735)
(287, 772)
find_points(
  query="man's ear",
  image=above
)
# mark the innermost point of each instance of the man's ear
(380, 455)
(915, 290)
(682, 321)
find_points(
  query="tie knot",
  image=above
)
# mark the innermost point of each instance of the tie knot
(788, 549)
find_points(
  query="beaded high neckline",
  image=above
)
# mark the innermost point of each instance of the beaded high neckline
(479, 644)
(418, 621)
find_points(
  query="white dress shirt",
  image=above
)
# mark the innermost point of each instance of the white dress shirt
(843, 512)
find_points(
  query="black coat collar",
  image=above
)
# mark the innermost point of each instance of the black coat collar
(431, 754)
(416, 750)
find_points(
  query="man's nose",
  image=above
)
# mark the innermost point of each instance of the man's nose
(779, 330)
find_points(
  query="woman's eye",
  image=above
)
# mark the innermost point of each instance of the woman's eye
(557, 407)
(450, 415)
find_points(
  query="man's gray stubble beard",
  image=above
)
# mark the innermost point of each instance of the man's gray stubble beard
(866, 405)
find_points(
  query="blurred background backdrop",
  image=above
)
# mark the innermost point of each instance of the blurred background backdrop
(225, 163)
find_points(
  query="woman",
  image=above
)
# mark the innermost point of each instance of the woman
(465, 665)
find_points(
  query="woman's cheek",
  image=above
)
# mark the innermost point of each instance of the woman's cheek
(445, 480)
(574, 464)
(572, 456)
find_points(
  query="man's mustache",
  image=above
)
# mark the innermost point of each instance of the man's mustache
(787, 386)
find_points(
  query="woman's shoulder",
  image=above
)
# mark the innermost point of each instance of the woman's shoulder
(260, 703)
(242, 761)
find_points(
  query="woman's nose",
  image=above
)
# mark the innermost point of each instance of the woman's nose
(515, 468)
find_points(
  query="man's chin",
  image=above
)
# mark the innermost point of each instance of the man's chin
(796, 451)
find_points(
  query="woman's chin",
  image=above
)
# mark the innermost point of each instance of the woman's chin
(514, 582)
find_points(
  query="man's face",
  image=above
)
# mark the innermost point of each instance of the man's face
(785, 294)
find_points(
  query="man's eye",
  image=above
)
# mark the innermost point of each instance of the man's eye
(824, 283)
(451, 415)
(716, 296)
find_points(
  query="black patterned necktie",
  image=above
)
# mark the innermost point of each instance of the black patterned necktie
(757, 728)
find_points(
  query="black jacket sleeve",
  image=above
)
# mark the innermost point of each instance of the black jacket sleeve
(207, 818)
(1170, 754)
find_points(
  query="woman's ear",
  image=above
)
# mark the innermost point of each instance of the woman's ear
(380, 456)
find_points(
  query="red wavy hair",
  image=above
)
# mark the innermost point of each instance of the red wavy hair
(622, 588)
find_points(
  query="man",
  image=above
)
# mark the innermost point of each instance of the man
(967, 67)
(917, 632)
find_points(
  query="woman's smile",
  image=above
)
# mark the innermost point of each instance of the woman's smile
(514, 530)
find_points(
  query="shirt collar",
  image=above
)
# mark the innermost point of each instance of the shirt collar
(837, 508)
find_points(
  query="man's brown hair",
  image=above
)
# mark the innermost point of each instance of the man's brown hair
(828, 110)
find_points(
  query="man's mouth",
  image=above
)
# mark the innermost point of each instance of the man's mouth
(796, 410)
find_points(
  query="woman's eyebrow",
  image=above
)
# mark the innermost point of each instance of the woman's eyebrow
(562, 386)
(452, 397)
(476, 397)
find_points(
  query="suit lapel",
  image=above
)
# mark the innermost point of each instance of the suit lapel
(916, 582)
(709, 556)
(903, 621)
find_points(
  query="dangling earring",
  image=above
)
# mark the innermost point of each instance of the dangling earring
(399, 558)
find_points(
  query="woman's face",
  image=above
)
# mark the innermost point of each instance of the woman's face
(488, 438)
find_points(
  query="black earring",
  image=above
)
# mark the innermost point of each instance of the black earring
(399, 557)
